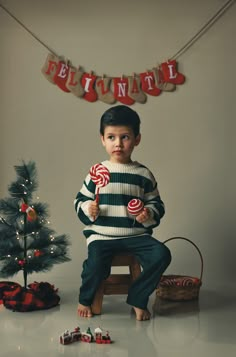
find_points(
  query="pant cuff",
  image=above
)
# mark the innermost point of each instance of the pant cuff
(136, 303)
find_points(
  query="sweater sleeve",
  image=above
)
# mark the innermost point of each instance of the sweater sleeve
(153, 201)
(83, 199)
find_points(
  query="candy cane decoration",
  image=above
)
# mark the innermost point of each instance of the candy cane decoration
(100, 175)
(135, 206)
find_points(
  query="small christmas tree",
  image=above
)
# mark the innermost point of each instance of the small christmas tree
(26, 241)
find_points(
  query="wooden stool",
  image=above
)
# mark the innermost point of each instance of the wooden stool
(117, 283)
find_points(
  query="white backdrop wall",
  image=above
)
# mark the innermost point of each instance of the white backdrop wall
(188, 136)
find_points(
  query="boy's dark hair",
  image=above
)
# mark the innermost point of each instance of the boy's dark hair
(120, 115)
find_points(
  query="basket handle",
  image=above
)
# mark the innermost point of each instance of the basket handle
(188, 240)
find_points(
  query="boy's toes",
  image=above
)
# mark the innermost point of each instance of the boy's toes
(142, 315)
(84, 311)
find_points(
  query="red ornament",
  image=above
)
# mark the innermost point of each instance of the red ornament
(24, 207)
(38, 253)
(22, 262)
(31, 214)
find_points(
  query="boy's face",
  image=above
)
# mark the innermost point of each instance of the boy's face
(119, 142)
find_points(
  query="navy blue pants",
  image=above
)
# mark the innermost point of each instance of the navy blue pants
(153, 256)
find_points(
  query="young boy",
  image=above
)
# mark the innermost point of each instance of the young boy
(110, 229)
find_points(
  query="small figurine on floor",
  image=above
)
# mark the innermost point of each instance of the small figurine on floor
(68, 337)
(87, 336)
(99, 338)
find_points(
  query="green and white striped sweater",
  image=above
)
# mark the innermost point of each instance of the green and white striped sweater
(127, 181)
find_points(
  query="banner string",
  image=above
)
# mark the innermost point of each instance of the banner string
(182, 50)
(27, 30)
(203, 30)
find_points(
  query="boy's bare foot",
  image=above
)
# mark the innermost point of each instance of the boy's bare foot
(84, 311)
(142, 315)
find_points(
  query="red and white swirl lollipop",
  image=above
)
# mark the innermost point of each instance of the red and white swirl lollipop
(100, 175)
(135, 206)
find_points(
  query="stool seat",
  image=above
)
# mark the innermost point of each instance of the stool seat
(117, 284)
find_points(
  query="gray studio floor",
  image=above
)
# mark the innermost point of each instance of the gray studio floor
(201, 328)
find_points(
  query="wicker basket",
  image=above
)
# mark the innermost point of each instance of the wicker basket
(180, 287)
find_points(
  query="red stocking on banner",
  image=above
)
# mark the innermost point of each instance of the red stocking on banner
(73, 82)
(134, 89)
(121, 90)
(88, 82)
(171, 74)
(148, 83)
(159, 80)
(50, 67)
(61, 75)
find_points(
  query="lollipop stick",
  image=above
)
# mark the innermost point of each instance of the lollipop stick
(96, 199)
(97, 196)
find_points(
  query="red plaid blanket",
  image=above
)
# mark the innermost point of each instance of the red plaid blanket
(37, 296)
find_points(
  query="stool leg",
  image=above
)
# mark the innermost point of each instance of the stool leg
(97, 301)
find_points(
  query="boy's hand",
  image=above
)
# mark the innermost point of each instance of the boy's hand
(93, 209)
(143, 216)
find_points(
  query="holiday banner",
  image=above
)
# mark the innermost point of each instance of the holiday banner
(124, 89)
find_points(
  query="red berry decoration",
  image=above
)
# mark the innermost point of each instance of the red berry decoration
(22, 262)
(135, 206)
